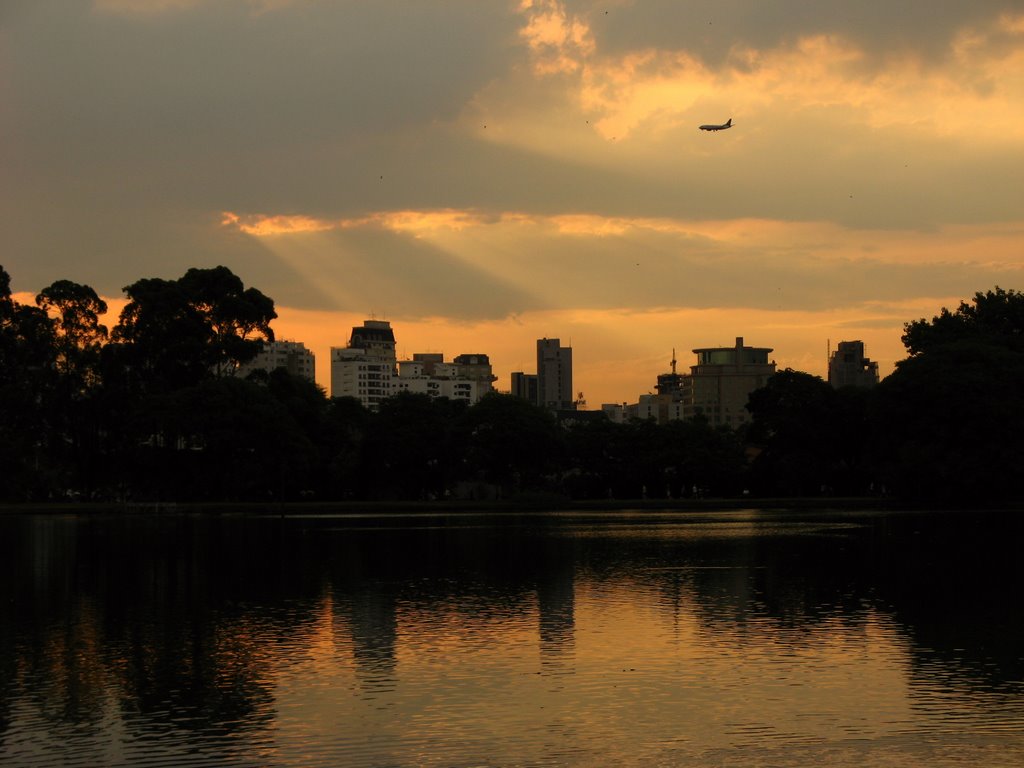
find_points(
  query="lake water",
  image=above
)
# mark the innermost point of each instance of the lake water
(615, 639)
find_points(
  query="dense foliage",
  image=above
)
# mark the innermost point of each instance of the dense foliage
(950, 417)
(153, 411)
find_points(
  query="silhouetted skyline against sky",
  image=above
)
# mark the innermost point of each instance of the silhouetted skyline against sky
(487, 174)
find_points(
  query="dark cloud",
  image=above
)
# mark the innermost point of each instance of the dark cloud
(124, 132)
(370, 268)
(124, 137)
(710, 28)
(217, 74)
(666, 270)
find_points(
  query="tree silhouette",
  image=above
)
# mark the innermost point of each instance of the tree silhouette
(27, 349)
(509, 442)
(994, 317)
(794, 421)
(72, 406)
(76, 310)
(950, 416)
(409, 451)
(175, 333)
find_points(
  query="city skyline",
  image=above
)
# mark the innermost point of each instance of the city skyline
(486, 175)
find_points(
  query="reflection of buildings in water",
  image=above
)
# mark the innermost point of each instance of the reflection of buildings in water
(978, 651)
(723, 587)
(798, 580)
(725, 593)
(63, 671)
(370, 618)
(556, 611)
(79, 677)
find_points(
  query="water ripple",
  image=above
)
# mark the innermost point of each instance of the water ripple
(554, 641)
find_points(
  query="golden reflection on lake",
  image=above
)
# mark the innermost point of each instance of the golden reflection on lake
(537, 640)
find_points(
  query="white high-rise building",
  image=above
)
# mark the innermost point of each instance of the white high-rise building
(290, 355)
(368, 370)
(442, 381)
(467, 377)
(365, 368)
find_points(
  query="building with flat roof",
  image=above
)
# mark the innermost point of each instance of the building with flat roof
(716, 388)
(848, 367)
(290, 355)
(429, 374)
(477, 367)
(368, 370)
(365, 368)
(554, 375)
(551, 386)
(524, 385)
(722, 380)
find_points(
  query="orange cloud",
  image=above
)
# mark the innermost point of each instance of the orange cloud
(1012, 24)
(424, 221)
(475, 237)
(268, 226)
(654, 90)
(559, 42)
(411, 221)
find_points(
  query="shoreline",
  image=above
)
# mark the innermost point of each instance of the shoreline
(530, 504)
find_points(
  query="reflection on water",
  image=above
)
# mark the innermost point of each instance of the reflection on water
(729, 638)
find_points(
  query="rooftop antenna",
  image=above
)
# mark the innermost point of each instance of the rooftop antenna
(673, 361)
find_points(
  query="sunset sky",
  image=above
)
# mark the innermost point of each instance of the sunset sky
(485, 173)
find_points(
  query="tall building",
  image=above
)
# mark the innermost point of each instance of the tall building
(674, 391)
(477, 367)
(375, 338)
(848, 367)
(717, 388)
(368, 370)
(365, 368)
(290, 355)
(720, 384)
(524, 385)
(554, 375)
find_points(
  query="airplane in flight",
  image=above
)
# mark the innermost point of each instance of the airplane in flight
(721, 127)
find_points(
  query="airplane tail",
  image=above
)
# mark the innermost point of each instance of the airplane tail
(728, 123)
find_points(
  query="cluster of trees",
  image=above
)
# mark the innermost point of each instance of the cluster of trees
(944, 427)
(152, 410)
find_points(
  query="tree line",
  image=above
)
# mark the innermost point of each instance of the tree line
(151, 410)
